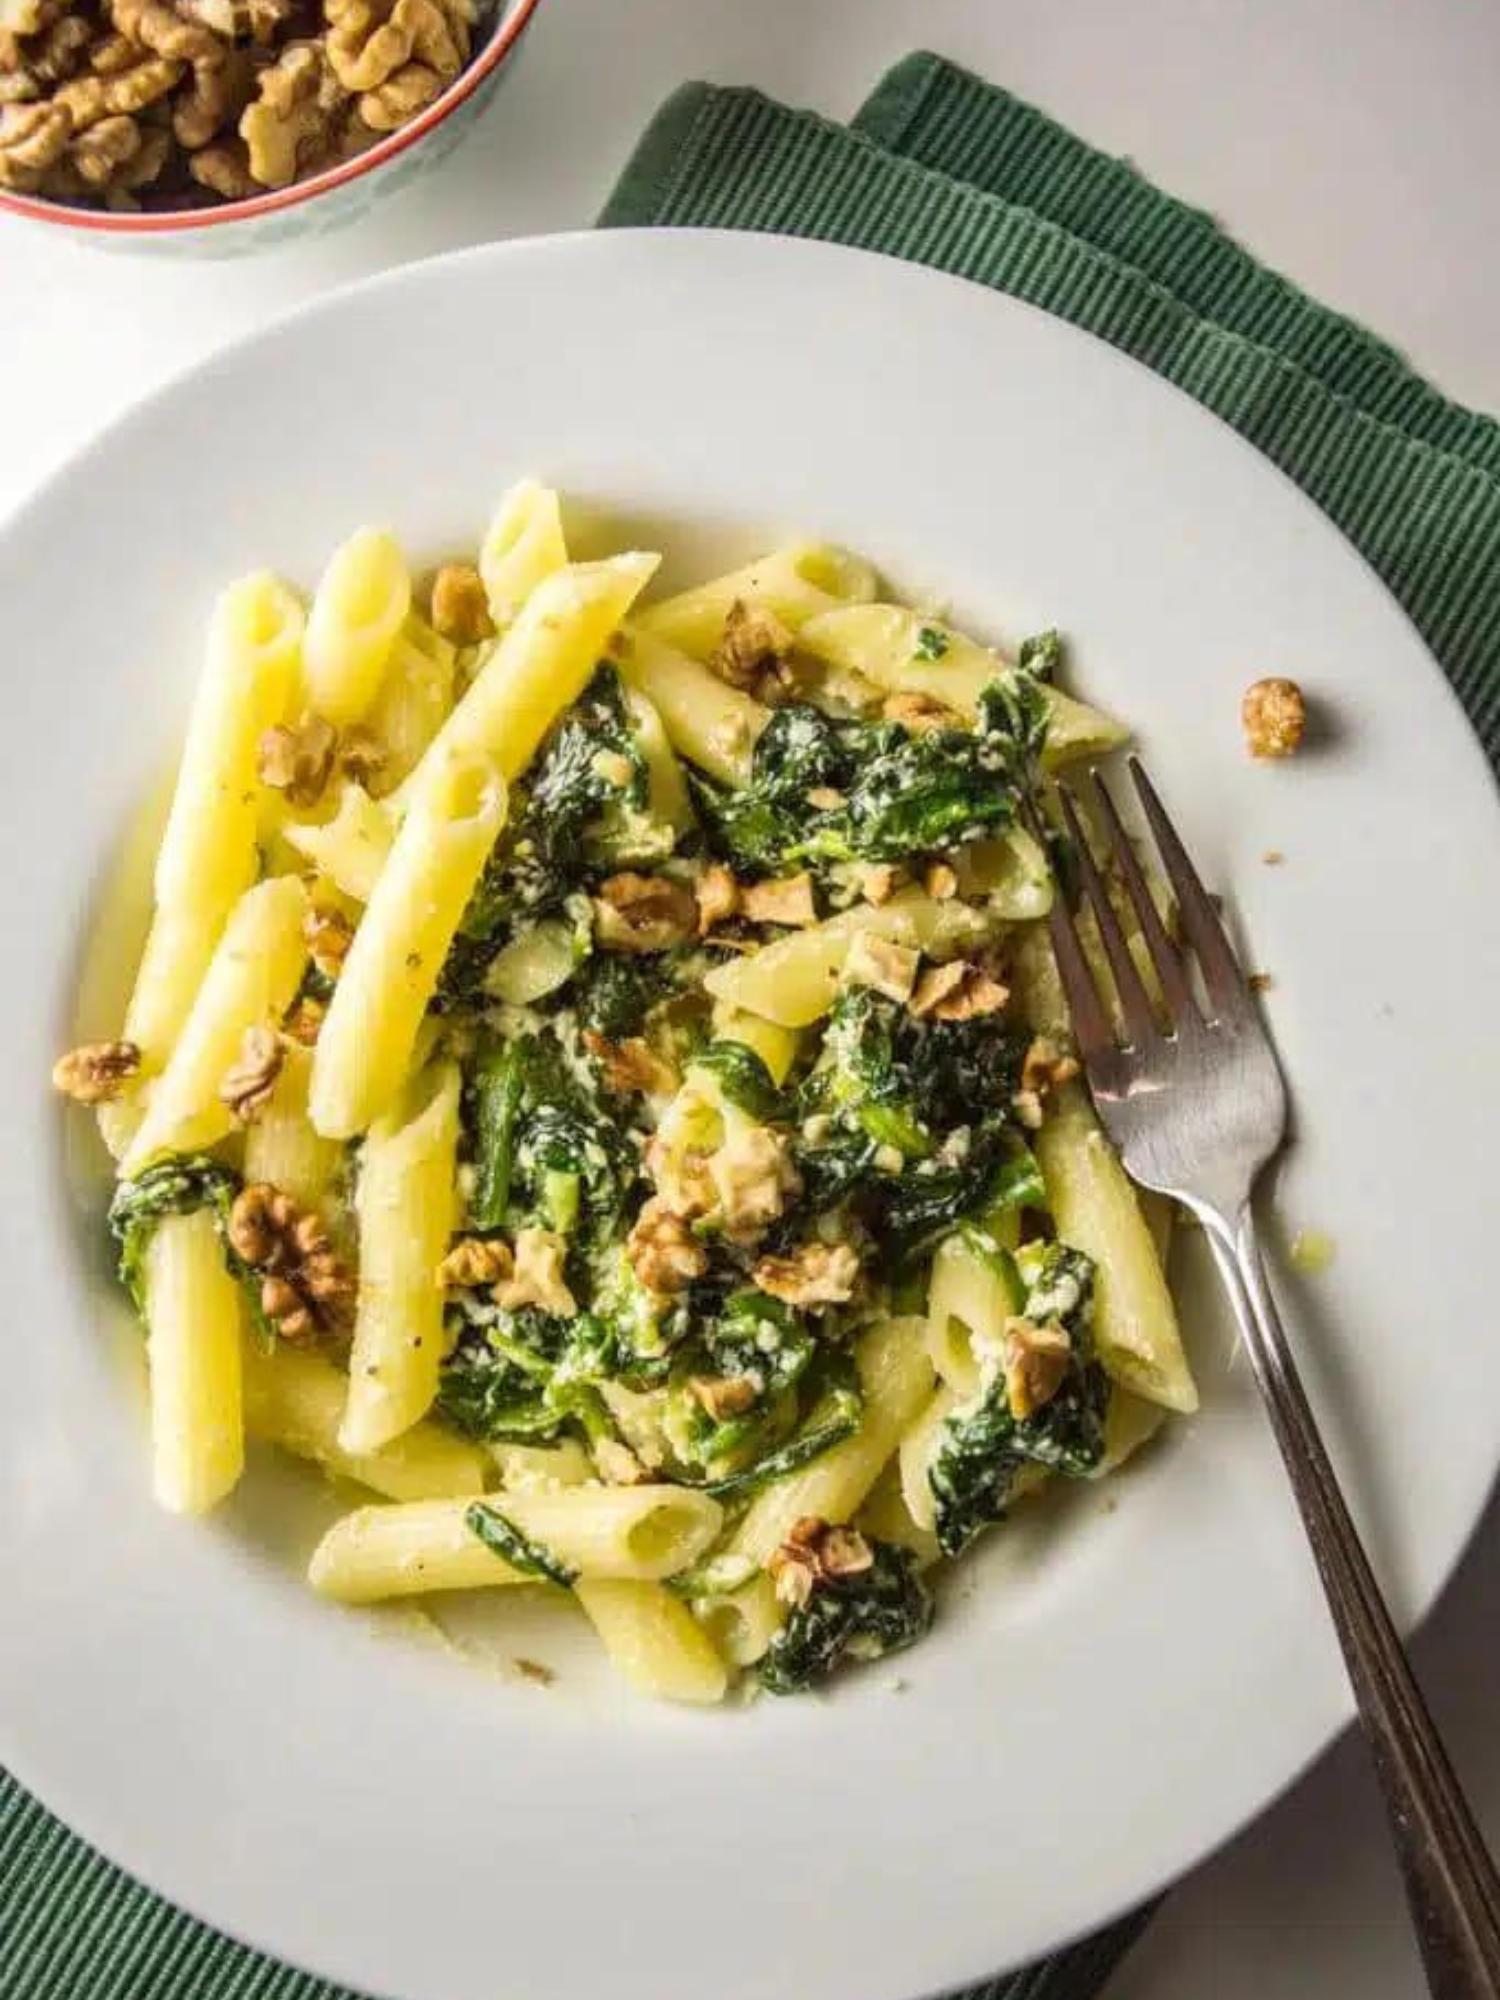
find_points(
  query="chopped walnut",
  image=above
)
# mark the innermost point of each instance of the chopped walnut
(460, 607)
(30, 17)
(224, 169)
(618, 1464)
(662, 1250)
(631, 1065)
(640, 913)
(754, 652)
(537, 1278)
(475, 1260)
(918, 712)
(113, 89)
(369, 41)
(96, 1072)
(940, 882)
(881, 964)
(717, 895)
(752, 1174)
(1043, 1068)
(294, 124)
(237, 20)
(879, 883)
(683, 1185)
(247, 1085)
(362, 756)
(817, 1274)
(328, 935)
(33, 138)
(117, 166)
(957, 991)
(1035, 1360)
(304, 1021)
(306, 1289)
(1274, 714)
(211, 102)
(817, 1551)
(788, 900)
(298, 761)
(724, 1396)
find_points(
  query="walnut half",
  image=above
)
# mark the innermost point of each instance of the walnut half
(96, 1072)
(817, 1274)
(641, 913)
(306, 1289)
(817, 1551)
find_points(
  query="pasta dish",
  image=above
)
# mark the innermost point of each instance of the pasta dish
(596, 1081)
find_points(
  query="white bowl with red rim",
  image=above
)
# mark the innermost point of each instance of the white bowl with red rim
(308, 207)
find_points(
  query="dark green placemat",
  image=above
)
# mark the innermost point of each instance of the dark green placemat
(947, 170)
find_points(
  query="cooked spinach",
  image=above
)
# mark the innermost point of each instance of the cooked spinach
(910, 1119)
(614, 994)
(742, 1077)
(546, 1148)
(900, 793)
(862, 1617)
(1041, 655)
(174, 1186)
(984, 1448)
(503, 1538)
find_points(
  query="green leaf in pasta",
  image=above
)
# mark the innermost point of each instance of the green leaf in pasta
(503, 1538)
(177, 1185)
(984, 1448)
(742, 1078)
(864, 1616)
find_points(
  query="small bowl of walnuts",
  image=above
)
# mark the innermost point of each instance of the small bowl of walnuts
(216, 125)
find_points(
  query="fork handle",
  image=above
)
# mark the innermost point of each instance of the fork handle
(1451, 1880)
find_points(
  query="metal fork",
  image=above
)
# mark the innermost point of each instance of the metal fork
(1196, 1108)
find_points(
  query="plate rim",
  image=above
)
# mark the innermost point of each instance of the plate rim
(84, 1823)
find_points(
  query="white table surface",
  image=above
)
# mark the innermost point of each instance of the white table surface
(1353, 144)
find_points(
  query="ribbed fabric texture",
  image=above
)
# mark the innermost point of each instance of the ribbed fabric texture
(944, 169)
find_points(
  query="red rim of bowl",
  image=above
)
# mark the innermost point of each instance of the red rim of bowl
(275, 200)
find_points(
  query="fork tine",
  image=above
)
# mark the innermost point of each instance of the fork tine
(1170, 970)
(1135, 1003)
(1200, 922)
(1093, 1031)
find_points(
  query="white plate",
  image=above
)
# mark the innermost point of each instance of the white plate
(1115, 1686)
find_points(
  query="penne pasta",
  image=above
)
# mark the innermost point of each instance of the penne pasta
(350, 849)
(712, 724)
(365, 1047)
(542, 664)
(740, 1624)
(413, 701)
(522, 547)
(207, 855)
(642, 1533)
(795, 981)
(1095, 1206)
(406, 1208)
(796, 583)
(281, 1147)
(652, 1640)
(358, 611)
(296, 1400)
(251, 978)
(902, 650)
(896, 1377)
(193, 1312)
